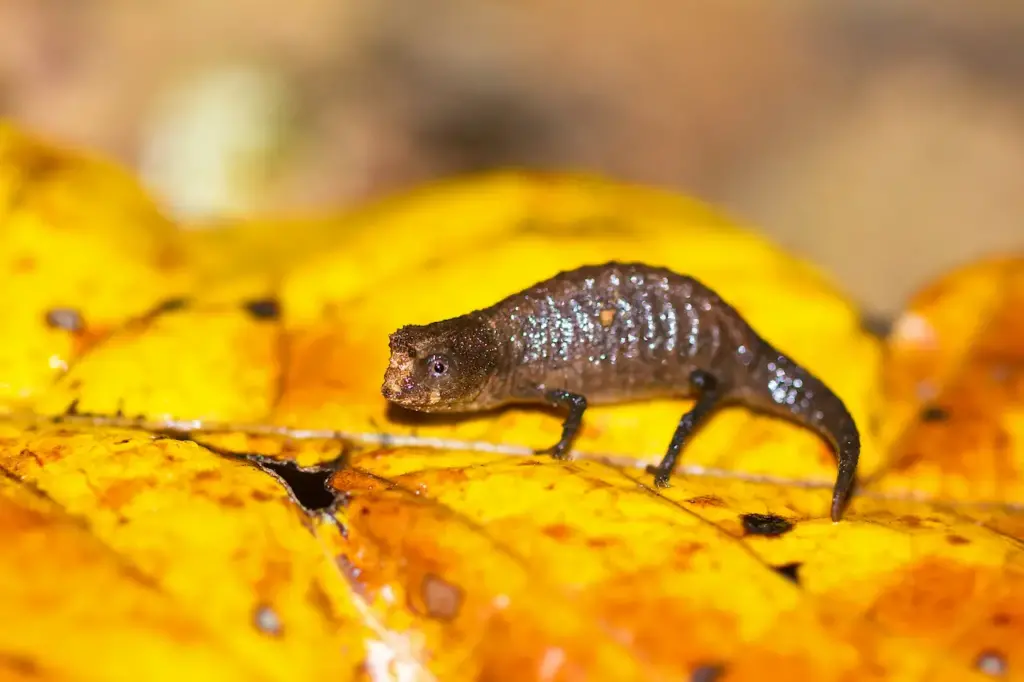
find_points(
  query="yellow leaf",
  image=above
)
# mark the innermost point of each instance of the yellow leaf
(162, 529)
(82, 249)
(185, 553)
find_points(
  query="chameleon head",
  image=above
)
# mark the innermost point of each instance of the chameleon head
(442, 366)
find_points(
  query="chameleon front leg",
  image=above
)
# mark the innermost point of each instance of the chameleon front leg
(708, 397)
(576, 404)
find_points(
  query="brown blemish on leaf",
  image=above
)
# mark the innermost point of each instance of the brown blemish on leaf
(706, 501)
(123, 492)
(647, 620)
(910, 521)
(261, 495)
(350, 481)
(207, 476)
(436, 477)
(1001, 619)
(24, 264)
(322, 602)
(955, 539)
(925, 600)
(20, 665)
(232, 500)
(558, 531)
(601, 543)
(683, 553)
(441, 599)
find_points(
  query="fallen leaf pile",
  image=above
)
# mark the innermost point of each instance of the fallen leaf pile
(199, 478)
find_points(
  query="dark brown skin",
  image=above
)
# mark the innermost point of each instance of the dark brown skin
(612, 333)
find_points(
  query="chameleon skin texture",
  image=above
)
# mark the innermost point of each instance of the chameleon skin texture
(611, 333)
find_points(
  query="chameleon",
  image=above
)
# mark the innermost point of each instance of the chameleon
(610, 333)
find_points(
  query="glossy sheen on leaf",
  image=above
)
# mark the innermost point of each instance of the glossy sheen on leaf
(386, 554)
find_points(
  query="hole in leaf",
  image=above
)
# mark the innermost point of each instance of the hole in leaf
(307, 486)
(934, 413)
(264, 308)
(765, 524)
(707, 673)
(790, 570)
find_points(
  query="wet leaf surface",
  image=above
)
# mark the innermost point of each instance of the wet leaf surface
(199, 476)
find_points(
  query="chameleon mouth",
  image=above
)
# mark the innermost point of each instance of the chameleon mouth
(396, 378)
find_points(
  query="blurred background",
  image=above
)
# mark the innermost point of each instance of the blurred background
(882, 138)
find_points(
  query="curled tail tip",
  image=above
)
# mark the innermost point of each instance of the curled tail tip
(838, 504)
(845, 482)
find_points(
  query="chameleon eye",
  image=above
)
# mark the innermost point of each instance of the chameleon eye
(437, 365)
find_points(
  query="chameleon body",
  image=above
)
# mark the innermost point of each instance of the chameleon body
(611, 333)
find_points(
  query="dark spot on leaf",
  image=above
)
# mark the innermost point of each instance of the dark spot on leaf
(264, 308)
(765, 524)
(75, 384)
(72, 408)
(441, 598)
(529, 463)
(1001, 619)
(790, 570)
(707, 673)
(934, 413)
(955, 539)
(991, 663)
(876, 324)
(170, 305)
(267, 621)
(706, 501)
(67, 319)
(123, 442)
